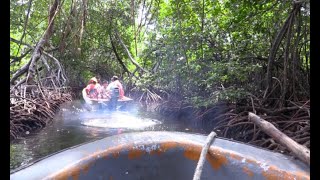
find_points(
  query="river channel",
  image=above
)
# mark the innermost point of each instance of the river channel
(74, 124)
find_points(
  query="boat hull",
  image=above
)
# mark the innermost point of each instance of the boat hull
(95, 100)
(123, 103)
(163, 155)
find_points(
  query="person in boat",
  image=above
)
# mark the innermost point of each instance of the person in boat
(98, 87)
(91, 89)
(116, 92)
(116, 84)
(105, 94)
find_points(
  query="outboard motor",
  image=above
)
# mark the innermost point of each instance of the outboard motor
(114, 98)
(115, 92)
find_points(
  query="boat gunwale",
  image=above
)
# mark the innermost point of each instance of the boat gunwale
(124, 135)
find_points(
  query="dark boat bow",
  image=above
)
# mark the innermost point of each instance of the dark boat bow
(163, 155)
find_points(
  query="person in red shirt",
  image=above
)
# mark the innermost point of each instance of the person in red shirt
(91, 89)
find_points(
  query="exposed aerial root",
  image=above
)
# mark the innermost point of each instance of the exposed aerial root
(29, 113)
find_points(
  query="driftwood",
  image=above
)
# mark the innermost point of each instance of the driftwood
(298, 150)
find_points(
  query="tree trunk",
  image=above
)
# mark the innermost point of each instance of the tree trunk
(39, 47)
(273, 52)
(129, 54)
(117, 56)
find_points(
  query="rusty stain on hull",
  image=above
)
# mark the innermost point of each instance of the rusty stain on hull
(168, 145)
(192, 153)
(247, 171)
(86, 168)
(216, 160)
(75, 175)
(235, 156)
(274, 173)
(135, 153)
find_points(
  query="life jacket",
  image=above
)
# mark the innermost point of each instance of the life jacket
(91, 91)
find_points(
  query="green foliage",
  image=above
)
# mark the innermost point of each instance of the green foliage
(193, 48)
(230, 95)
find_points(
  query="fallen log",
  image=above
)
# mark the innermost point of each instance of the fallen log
(298, 150)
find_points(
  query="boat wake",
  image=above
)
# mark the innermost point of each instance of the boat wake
(120, 120)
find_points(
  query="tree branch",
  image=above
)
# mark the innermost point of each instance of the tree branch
(46, 35)
(25, 25)
(129, 54)
(83, 20)
(16, 59)
(60, 70)
(117, 55)
(18, 42)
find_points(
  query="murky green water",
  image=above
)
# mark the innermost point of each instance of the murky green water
(75, 125)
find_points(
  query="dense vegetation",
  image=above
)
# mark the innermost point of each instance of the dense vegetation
(235, 56)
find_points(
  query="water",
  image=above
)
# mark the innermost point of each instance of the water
(121, 120)
(74, 125)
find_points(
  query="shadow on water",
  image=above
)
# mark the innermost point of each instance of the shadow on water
(74, 125)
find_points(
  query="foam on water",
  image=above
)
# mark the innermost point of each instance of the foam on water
(120, 120)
